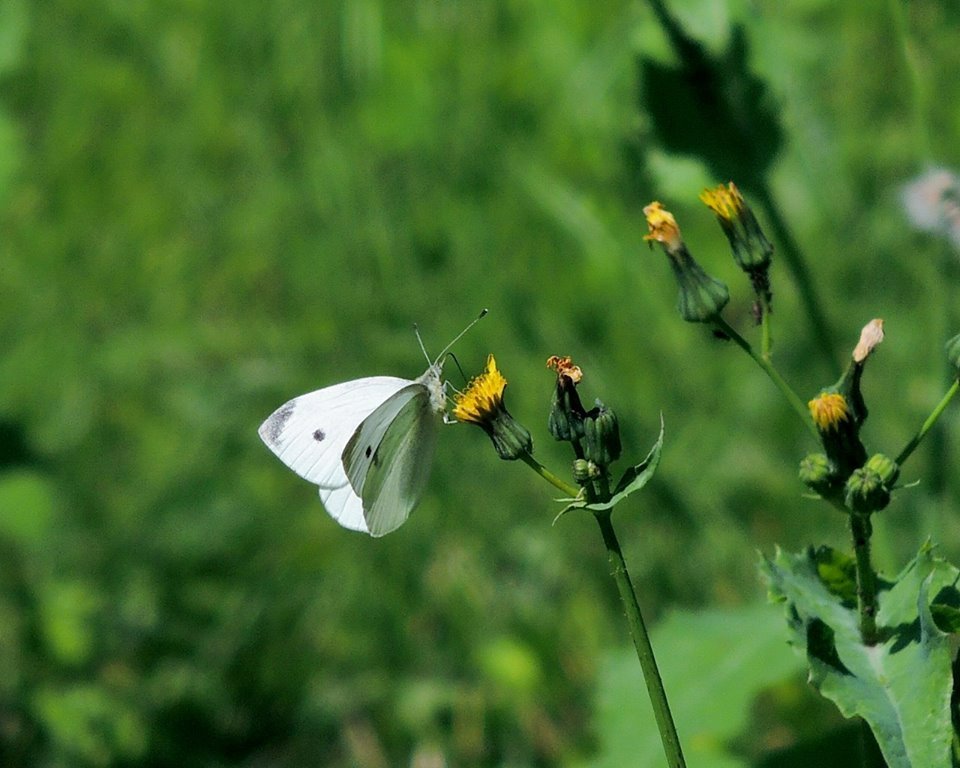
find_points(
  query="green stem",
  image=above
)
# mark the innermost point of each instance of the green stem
(801, 276)
(928, 424)
(641, 641)
(861, 530)
(571, 490)
(795, 402)
(765, 341)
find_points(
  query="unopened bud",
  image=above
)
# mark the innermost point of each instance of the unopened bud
(868, 488)
(601, 436)
(819, 474)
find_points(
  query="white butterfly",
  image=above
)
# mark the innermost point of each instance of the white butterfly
(368, 444)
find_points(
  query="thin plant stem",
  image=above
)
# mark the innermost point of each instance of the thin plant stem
(641, 641)
(928, 424)
(795, 402)
(638, 630)
(765, 341)
(571, 490)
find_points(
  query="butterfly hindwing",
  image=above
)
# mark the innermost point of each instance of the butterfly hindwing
(388, 459)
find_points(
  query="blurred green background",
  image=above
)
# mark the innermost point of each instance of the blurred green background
(208, 207)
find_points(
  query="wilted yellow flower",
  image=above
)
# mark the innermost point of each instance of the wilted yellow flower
(663, 226)
(829, 410)
(564, 367)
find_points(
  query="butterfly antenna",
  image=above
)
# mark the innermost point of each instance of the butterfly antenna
(416, 330)
(459, 336)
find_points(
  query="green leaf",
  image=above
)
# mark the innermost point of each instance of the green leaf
(902, 685)
(632, 481)
(714, 663)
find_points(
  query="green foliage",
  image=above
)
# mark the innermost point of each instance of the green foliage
(207, 208)
(901, 686)
(712, 676)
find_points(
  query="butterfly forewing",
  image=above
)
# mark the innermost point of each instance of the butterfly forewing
(397, 475)
(309, 433)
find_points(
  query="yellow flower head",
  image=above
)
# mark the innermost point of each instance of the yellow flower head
(482, 404)
(483, 397)
(725, 201)
(663, 227)
(829, 410)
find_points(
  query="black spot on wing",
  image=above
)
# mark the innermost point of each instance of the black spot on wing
(368, 451)
(319, 435)
(277, 421)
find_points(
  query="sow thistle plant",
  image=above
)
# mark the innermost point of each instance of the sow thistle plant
(882, 649)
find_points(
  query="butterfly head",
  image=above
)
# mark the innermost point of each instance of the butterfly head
(431, 377)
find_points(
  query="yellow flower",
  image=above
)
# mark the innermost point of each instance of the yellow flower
(482, 404)
(482, 398)
(725, 202)
(663, 227)
(751, 249)
(829, 410)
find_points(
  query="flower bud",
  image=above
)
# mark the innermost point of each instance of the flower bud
(868, 488)
(701, 297)
(584, 471)
(566, 411)
(819, 474)
(601, 436)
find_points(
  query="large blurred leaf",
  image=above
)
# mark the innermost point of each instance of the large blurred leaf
(714, 663)
(900, 686)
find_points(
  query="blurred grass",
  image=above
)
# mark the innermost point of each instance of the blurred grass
(210, 207)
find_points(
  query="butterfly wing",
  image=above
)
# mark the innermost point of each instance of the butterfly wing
(310, 432)
(389, 457)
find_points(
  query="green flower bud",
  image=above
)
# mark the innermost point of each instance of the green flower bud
(885, 468)
(601, 436)
(819, 474)
(953, 352)
(585, 471)
(868, 488)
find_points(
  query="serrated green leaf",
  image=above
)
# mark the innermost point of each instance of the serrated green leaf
(632, 481)
(900, 686)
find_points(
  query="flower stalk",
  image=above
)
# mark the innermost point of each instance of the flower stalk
(594, 436)
(641, 642)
